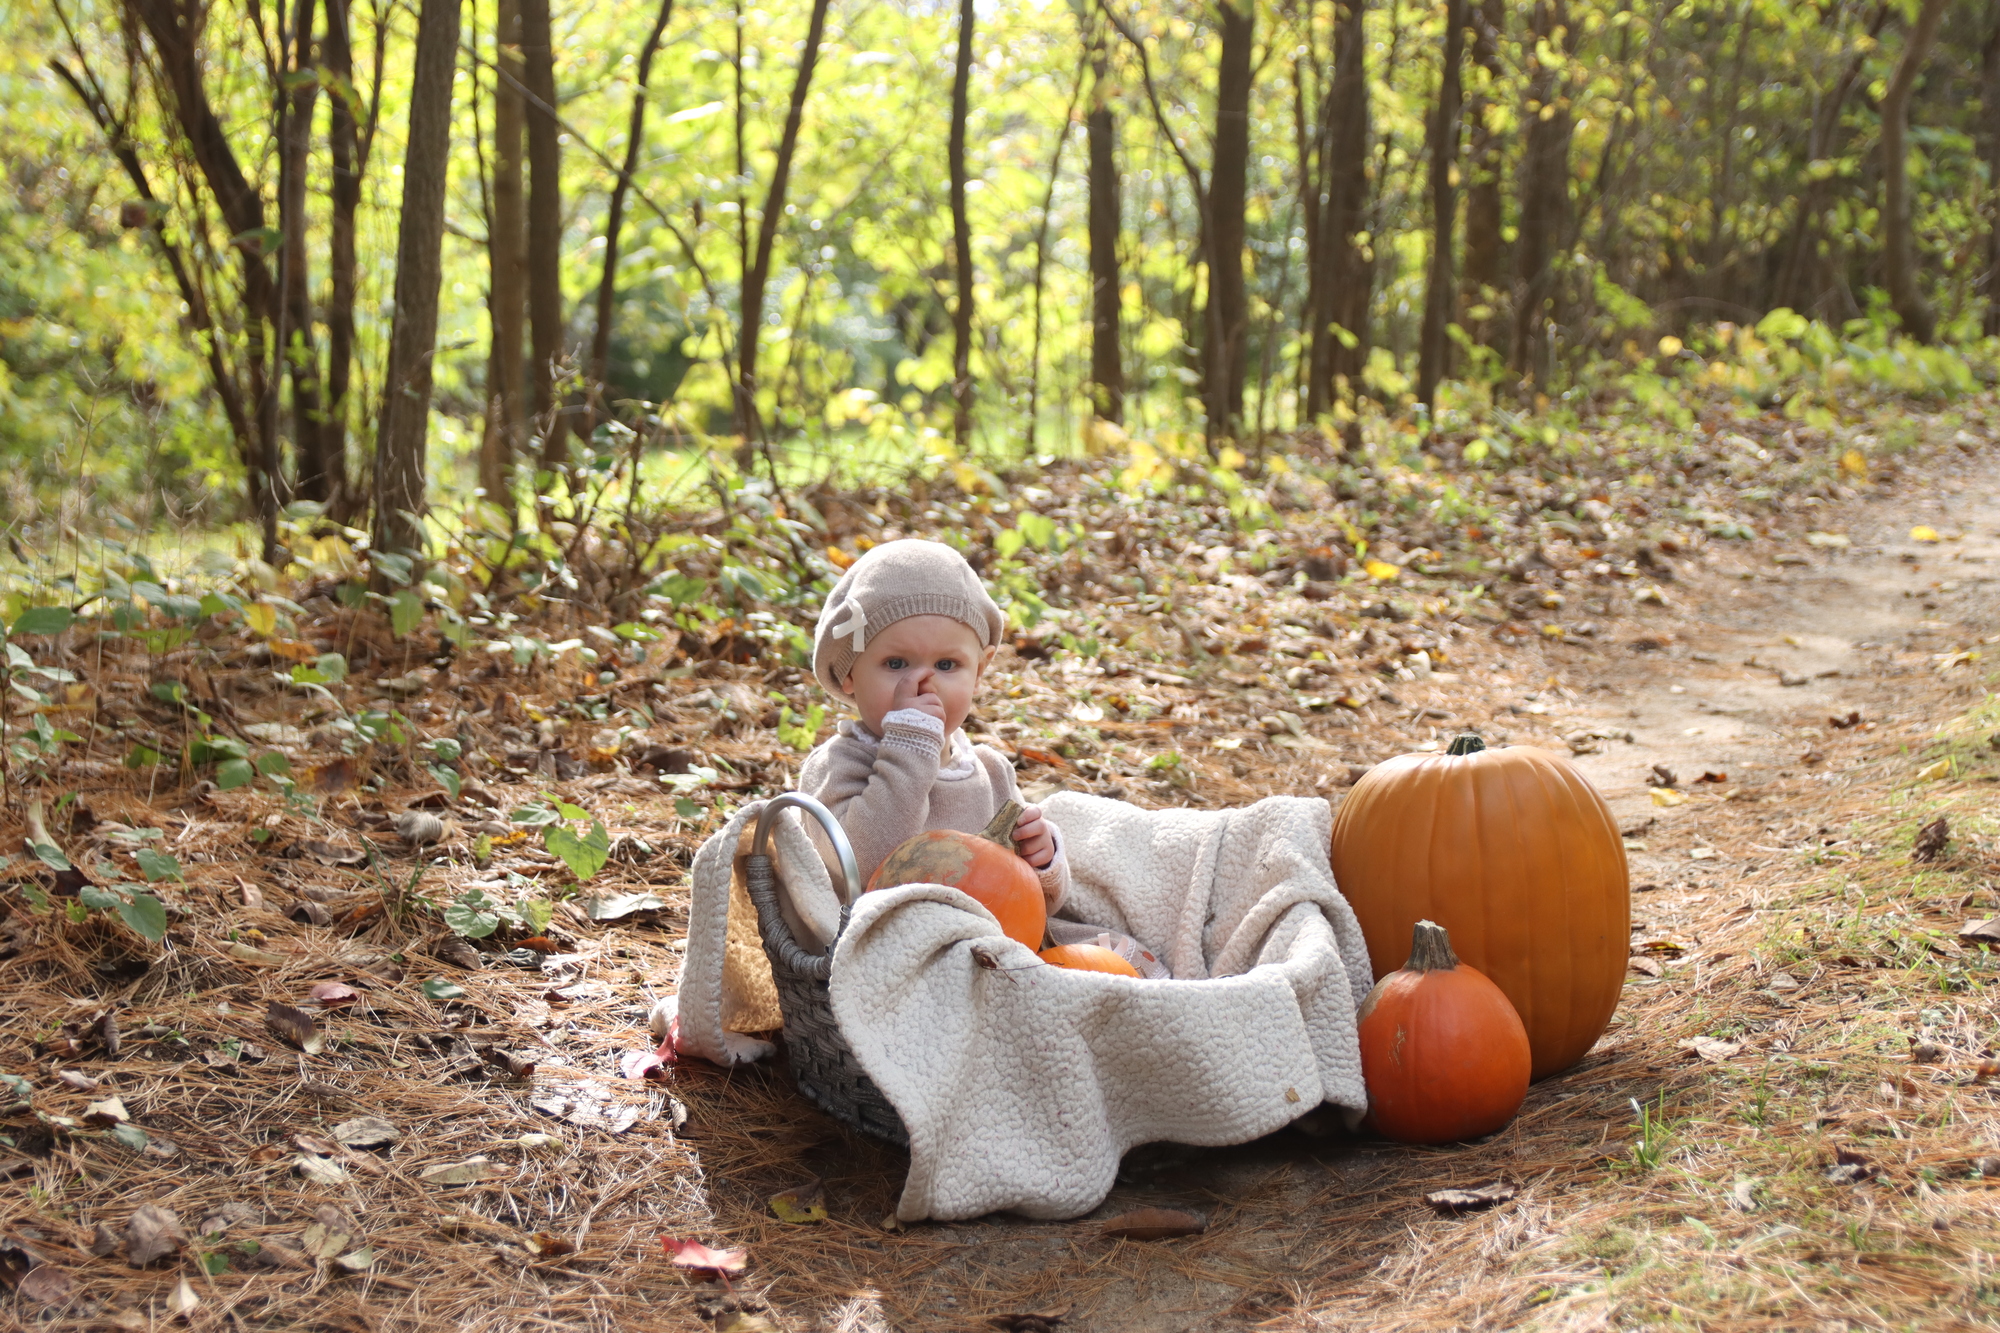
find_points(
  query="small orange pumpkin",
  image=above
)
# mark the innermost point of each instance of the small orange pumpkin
(1089, 958)
(1443, 1053)
(1514, 853)
(983, 865)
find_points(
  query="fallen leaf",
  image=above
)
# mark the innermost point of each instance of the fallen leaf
(468, 1172)
(1932, 772)
(333, 777)
(250, 953)
(1664, 796)
(111, 1111)
(295, 1027)
(440, 989)
(1646, 965)
(1708, 1048)
(331, 1232)
(1851, 1168)
(1931, 839)
(333, 993)
(1470, 1200)
(1853, 719)
(1924, 532)
(367, 1131)
(77, 1080)
(1047, 758)
(1925, 1052)
(107, 1032)
(183, 1302)
(1662, 776)
(152, 1233)
(104, 1242)
(1783, 981)
(807, 1203)
(1981, 932)
(1154, 1224)
(319, 1170)
(1713, 777)
(515, 1065)
(1034, 1321)
(1744, 1197)
(419, 827)
(333, 853)
(1986, 1167)
(46, 1284)
(1702, 854)
(459, 952)
(229, 1215)
(612, 907)
(544, 1246)
(1827, 540)
(694, 1254)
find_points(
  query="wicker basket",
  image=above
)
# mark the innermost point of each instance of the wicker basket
(823, 1063)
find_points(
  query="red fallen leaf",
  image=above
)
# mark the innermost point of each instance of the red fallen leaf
(1713, 777)
(333, 993)
(539, 943)
(694, 1254)
(1048, 757)
(652, 1065)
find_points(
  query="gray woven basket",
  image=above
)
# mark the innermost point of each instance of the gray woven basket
(823, 1063)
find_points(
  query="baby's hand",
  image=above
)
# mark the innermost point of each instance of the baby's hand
(914, 690)
(1034, 839)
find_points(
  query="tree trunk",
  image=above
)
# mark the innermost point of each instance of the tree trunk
(406, 378)
(1434, 349)
(1485, 284)
(1798, 283)
(344, 195)
(749, 425)
(316, 480)
(1308, 148)
(1989, 128)
(1347, 286)
(1544, 197)
(175, 26)
(614, 220)
(1107, 366)
(506, 417)
(1899, 249)
(1228, 316)
(544, 254)
(1042, 261)
(961, 236)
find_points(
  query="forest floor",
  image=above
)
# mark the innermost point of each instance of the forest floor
(1793, 1122)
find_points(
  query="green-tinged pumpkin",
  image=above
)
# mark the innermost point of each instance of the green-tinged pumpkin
(1515, 854)
(1443, 1052)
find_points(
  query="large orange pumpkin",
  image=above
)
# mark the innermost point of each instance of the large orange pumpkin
(1514, 853)
(983, 865)
(1089, 958)
(1443, 1053)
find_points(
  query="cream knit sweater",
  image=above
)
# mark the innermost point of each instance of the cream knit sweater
(885, 790)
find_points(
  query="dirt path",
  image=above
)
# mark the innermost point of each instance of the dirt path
(1735, 679)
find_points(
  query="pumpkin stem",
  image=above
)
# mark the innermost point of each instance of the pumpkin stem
(1001, 830)
(1466, 743)
(1430, 949)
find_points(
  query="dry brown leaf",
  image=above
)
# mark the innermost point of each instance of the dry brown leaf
(544, 1246)
(333, 993)
(1470, 1200)
(294, 1027)
(366, 1131)
(46, 1284)
(111, 1111)
(1154, 1224)
(152, 1233)
(419, 827)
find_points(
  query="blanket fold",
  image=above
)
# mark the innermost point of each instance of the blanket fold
(1023, 1084)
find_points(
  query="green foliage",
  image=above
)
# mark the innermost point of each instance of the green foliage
(137, 908)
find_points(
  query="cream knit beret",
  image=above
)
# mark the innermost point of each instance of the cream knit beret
(892, 582)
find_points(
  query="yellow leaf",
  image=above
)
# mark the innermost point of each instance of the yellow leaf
(838, 558)
(1930, 772)
(1669, 797)
(1381, 569)
(262, 617)
(1853, 464)
(1923, 532)
(1231, 457)
(1670, 346)
(802, 1205)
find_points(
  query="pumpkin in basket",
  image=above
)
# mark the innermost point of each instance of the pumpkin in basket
(982, 865)
(1443, 1053)
(1089, 958)
(1515, 854)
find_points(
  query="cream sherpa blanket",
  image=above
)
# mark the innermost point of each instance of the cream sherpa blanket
(1022, 1084)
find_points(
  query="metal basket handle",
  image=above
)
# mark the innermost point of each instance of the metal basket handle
(850, 874)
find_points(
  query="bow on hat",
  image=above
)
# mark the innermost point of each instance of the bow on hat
(853, 622)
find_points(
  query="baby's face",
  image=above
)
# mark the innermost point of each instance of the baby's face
(930, 663)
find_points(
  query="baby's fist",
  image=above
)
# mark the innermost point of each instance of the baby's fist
(1034, 839)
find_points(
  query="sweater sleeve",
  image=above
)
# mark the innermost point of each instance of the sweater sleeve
(881, 797)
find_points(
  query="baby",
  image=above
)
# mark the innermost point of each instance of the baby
(905, 637)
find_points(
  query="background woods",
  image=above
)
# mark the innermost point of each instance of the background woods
(836, 233)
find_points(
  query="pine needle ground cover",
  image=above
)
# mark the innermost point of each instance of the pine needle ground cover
(366, 1068)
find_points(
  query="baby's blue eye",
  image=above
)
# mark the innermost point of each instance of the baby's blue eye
(947, 664)
(894, 663)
